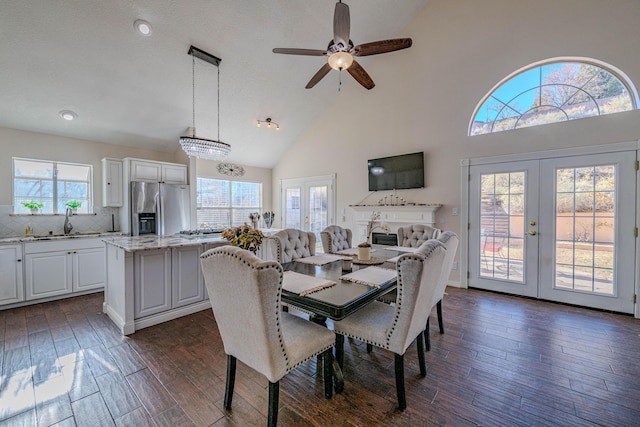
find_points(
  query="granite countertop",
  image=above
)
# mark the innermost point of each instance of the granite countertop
(37, 238)
(141, 243)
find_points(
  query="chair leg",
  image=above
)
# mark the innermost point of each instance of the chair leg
(340, 350)
(274, 394)
(439, 309)
(231, 380)
(327, 372)
(427, 337)
(421, 362)
(369, 348)
(399, 364)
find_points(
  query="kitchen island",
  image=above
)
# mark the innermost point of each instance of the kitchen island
(152, 279)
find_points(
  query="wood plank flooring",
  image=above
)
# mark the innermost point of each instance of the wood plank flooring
(503, 361)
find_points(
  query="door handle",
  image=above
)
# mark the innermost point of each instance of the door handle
(532, 232)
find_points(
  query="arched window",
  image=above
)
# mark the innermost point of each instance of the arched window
(554, 91)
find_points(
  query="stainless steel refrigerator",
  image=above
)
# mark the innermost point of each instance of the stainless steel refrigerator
(161, 209)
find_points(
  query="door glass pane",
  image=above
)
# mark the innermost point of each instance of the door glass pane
(292, 214)
(318, 215)
(585, 225)
(502, 226)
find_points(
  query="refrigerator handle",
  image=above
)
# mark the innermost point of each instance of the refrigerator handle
(160, 212)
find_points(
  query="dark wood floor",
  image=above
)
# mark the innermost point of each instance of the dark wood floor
(503, 361)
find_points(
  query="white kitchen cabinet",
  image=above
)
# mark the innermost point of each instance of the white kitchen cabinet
(60, 267)
(186, 276)
(48, 274)
(152, 282)
(88, 269)
(112, 183)
(11, 283)
(146, 170)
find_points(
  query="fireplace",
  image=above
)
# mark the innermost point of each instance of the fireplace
(390, 239)
(393, 217)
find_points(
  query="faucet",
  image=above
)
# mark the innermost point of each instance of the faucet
(67, 225)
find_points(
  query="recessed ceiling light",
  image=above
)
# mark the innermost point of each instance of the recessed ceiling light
(68, 115)
(143, 27)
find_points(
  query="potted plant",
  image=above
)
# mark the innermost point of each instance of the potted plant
(244, 236)
(74, 205)
(364, 248)
(33, 205)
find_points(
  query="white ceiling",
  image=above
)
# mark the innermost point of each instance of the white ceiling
(133, 90)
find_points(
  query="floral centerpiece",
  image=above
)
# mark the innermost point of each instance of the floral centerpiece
(245, 237)
(364, 248)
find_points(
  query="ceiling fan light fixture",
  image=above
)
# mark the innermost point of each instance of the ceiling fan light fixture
(340, 60)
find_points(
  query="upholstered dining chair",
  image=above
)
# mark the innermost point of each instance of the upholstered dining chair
(450, 241)
(416, 234)
(335, 238)
(395, 327)
(290, 244)
(245, 296)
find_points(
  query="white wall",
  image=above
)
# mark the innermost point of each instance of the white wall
(425, 96)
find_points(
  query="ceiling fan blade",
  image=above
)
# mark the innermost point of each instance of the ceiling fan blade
(361, 76)
(318, 76)
(293, 51)
(382, 46)
(341, 24)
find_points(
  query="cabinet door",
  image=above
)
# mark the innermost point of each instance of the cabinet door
(187, 280)
(152, 282)
(48, 274)
(11, 284)
(88, 269)
(112, 191)
(174, 174)
(145, 171)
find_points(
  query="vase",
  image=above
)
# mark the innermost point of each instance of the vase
(364, 253)
(34, 211)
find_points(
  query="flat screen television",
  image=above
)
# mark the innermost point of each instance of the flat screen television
(396, 172)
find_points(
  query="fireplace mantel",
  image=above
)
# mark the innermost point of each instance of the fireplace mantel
(393, 216)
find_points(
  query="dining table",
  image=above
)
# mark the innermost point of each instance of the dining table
(345, 297)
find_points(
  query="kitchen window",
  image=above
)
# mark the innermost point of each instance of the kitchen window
(223, 204)
(51, 183)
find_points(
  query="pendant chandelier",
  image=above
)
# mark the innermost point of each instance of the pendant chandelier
(192, 145)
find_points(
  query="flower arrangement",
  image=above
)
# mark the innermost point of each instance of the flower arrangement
(245, 237)
(373, 226)
(73, 204)
(32, 204)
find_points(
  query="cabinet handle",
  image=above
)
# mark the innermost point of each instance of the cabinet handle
(19, 260)
(68, 253)
(108, 183)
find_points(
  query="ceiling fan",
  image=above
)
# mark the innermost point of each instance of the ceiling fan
(341, 50)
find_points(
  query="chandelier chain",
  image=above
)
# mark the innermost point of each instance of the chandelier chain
(193, 91)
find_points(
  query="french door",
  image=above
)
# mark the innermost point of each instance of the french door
(308, 203)
(560, 229)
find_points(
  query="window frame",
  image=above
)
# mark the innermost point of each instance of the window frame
(230, 206)
(614, 71)
(54, 181)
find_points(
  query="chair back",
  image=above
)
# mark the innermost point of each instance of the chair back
(290, 243)
(416, 234)
(450, 241)
(245, 297)
(335, 238)
(418, 277)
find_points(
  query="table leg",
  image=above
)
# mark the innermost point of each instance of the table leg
(338, 378)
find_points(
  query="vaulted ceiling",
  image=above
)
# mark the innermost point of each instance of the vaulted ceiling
(133, 90)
